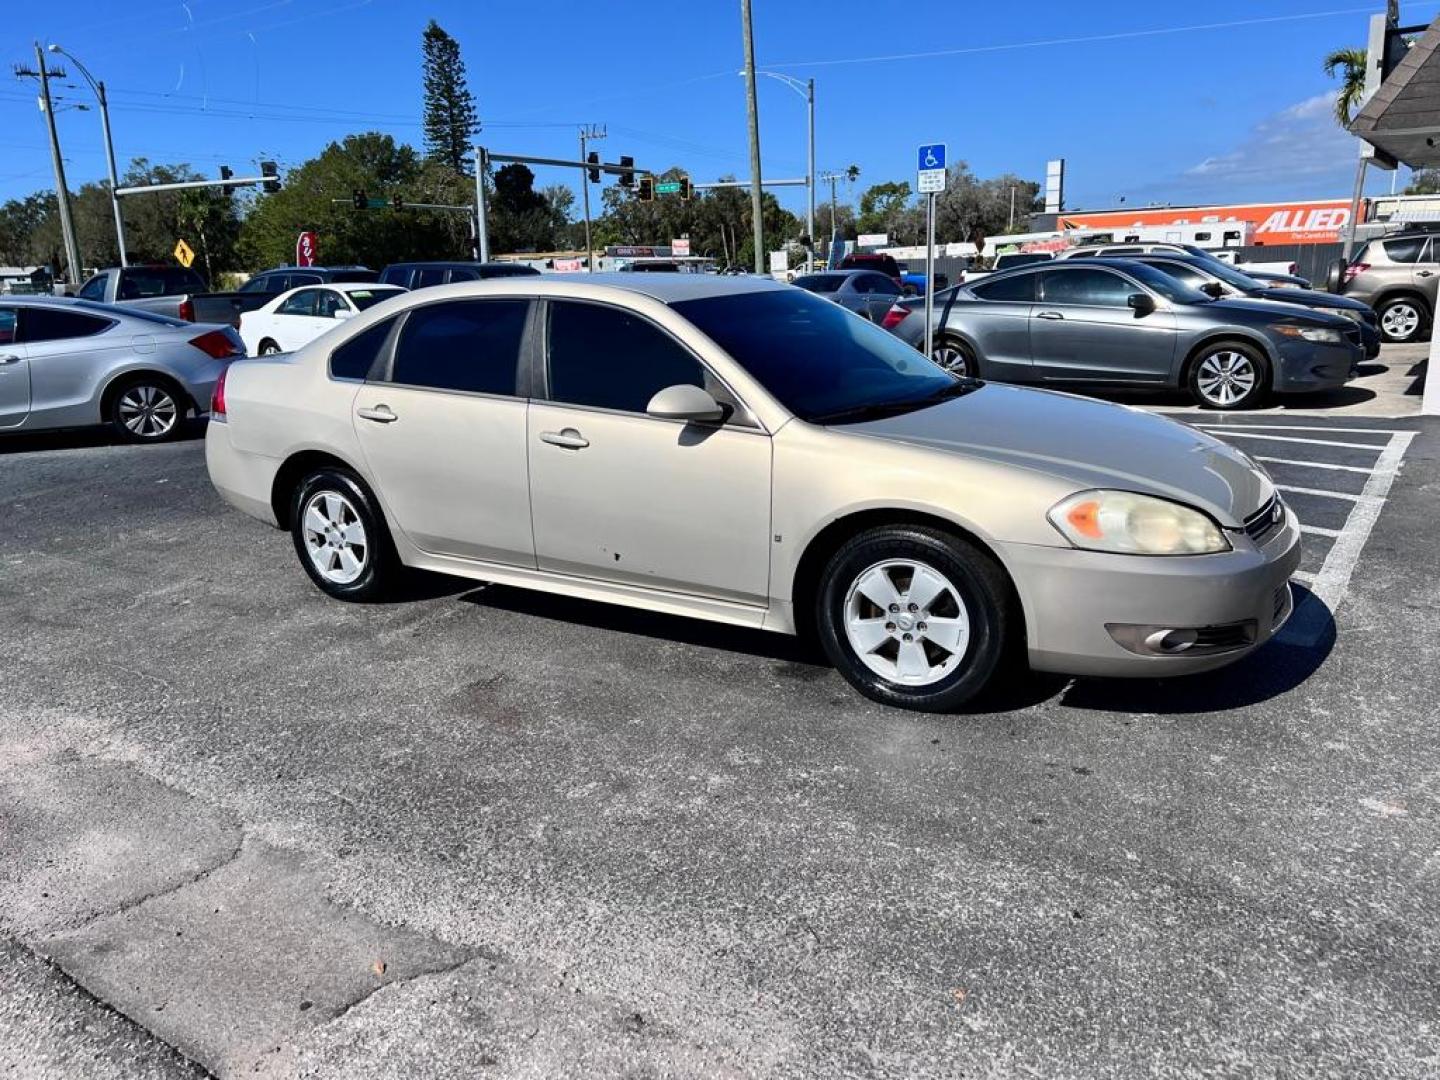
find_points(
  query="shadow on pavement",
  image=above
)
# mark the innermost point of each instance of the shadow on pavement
(1276, 668)
(86, 438)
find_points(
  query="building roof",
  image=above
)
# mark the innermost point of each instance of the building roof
(1402, 117)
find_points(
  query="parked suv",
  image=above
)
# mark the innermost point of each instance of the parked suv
(1396, 275)
(874, 260)
(421, 275)
(1118, 322)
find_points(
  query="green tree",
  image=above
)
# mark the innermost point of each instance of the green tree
(382, 168)
(1350, 65)
(450, 117)
(1424, 182)
(970, 209)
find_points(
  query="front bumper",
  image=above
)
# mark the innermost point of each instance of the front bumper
(1306, 366)
(1071, 597)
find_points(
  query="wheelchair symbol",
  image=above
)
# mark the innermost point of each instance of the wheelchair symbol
(931, 162)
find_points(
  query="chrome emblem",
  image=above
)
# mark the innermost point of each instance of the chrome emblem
(1277, 513)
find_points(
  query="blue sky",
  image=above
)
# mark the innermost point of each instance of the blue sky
(1226, 103)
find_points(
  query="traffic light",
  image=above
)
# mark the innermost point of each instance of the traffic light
(397, 203)
(358, 199)
(627, 178)
(271, 173)
(647, 188)
(225, 174)
(685, 188)
(593, 160)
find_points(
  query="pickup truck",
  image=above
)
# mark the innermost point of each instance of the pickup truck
(169, 290)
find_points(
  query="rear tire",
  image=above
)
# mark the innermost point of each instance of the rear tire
(1229, 376)
(1401, 319)
(341, 538)
(268, 348)
(147, 409)
(914, 617)
(956, 357)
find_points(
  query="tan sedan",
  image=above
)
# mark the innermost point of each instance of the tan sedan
(739, 450)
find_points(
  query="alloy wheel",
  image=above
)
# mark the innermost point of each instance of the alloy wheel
(148, 412)
(1225, 377)
(1400, 321)
(952, 358)
(335, 537)
(906, 622)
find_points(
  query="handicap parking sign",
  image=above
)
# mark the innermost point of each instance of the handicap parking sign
(932, 157)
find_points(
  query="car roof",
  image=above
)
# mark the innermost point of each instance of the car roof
(353, 286)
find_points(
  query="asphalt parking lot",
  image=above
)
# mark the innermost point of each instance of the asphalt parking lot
(246, 829)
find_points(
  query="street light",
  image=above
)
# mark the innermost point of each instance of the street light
(806, 89)
(99, 88)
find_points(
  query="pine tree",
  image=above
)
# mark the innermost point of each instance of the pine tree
(450, 117)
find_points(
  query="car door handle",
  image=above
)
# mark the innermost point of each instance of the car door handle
(381, 414)
(569, 439)
(1049, 315)
(9, 359)
(1424, 273)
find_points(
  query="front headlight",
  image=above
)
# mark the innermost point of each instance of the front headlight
(1326, 335)
(1353, 314)
(1125, 523)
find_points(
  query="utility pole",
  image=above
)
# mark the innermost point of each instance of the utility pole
(62, 194)
(753, 109)
(99, 88)
(810, 174)
(588, 133)
(1011, 227)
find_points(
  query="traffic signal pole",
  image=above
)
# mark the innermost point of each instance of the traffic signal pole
(587, 133)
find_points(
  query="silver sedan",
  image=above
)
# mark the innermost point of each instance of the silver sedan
(73, 363)
(738, 450)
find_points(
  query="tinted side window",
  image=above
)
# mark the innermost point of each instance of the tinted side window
(611, 359)
(396, 275)
(354, 359)
(460, 273)
(427, 276)
(296, 280)
(7, 325)
(95, 288)
(469, 345)
(254, 285)
(304, 302)
(55, 324)
(329, 303)
(1097, 288)
(1020, 288)
(1406, 250)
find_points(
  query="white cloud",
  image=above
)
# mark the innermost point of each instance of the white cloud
(1299, 143)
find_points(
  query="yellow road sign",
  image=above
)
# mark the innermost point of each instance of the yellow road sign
(184, 254)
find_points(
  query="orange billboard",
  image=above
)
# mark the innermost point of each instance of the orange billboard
(1314, 221)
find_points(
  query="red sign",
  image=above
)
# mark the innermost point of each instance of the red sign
(1316, 221)
(305, 249)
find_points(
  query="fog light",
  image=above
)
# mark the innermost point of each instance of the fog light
(1170, 641)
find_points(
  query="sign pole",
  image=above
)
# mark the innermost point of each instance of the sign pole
(481, 232)
(930, 274)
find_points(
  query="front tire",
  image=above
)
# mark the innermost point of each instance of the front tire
(1229, 376)
(914, 617)
(341, 538)
(1401, 319)
(147, 409)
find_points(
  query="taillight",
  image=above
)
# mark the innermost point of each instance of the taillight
(894, 317)
(217, 344)
(1354, 270)
(187, 310)
(217, 399)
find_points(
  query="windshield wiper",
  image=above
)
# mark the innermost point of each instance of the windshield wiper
(878, 410)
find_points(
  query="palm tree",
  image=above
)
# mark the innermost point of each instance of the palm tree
(1351, 64)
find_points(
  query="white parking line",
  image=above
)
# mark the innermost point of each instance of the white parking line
(1298, 427)
(1309, 442)
(1320, 491)
(1318, 531)
(1312, 464)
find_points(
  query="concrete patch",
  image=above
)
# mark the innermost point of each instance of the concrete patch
(231, 968)
(81, 838)
(52, 1030)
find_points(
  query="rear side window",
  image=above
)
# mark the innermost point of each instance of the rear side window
(56, 324)
(1017, 289)
(354, 359)
(610, 359)
(819, 283)
(95, 288)
(460, 273)
(427, 276)
(470, 345)
(140, 283)
(396, 275)
(1406, 250)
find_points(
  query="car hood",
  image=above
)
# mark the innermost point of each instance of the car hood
(1266, 307)
(1311, 299)
(1092, 444)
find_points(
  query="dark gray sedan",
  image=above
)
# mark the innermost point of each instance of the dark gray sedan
(865, 292)
(1118, 322)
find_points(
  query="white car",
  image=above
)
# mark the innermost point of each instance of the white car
(295, 318)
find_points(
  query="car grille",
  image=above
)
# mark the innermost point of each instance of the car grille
(1264, 523)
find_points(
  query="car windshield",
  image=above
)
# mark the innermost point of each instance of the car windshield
(1172, 289)
(130, 313)
(817, 359)
(1228, 274)
(820, 282)
(364, 298)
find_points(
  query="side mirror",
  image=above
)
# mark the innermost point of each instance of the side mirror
(1213, 289)
(1143, 303)
(344, 313)
(685, 402)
